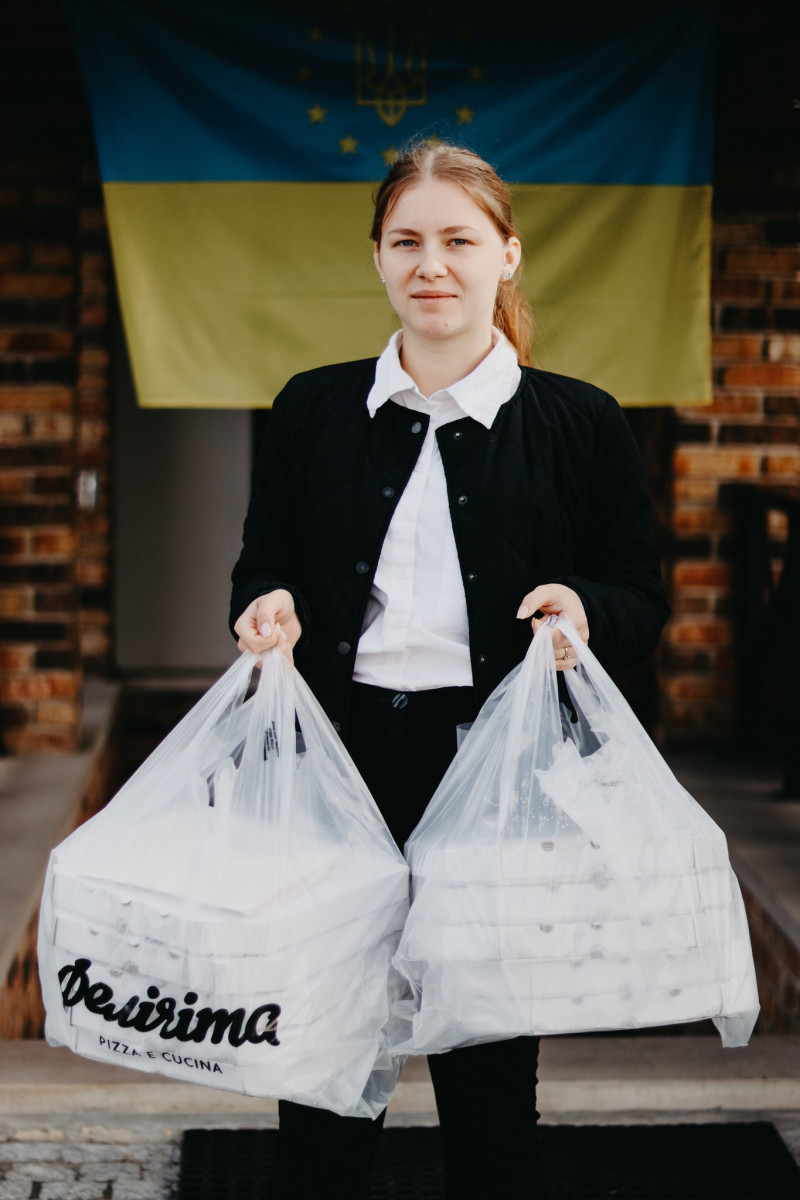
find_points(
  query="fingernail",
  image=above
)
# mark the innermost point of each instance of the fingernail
(265, 630)
(523, 612)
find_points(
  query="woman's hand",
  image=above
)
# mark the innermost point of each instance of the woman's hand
(556, 598)
(269, 621)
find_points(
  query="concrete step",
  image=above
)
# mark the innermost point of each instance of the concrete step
(603, 1075)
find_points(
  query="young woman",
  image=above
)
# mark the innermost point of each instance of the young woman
(412, 519)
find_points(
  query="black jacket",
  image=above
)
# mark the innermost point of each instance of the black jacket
(553, 492)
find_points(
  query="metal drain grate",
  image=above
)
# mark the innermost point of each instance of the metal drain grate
(738, 1161)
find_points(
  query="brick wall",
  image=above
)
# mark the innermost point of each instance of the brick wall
(54, 281)
(752, 430)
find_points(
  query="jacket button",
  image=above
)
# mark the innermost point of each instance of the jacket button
(416, 427)
(336, 726)
(471, 576)
(343, 648)
(456, 435)
(362, 568)
(462, 499)
(482, 659)
(387, 493)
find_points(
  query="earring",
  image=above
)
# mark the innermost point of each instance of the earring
(382, 279)
(508, 275)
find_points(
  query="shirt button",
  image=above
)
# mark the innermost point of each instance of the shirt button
(362, 568)
(416, 427)
(387, 492)
(343, 648)
(462, 499)
(471, 576)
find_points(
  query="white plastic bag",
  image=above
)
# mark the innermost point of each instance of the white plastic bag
(231, 916)
(563, 880)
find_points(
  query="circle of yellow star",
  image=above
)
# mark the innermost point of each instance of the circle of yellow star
(348, 144)
(389, 155)
(464, 115)
(316, 115)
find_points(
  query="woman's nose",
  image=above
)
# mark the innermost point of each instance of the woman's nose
(431, 266)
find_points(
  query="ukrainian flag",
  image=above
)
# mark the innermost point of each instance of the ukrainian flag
(239, 150)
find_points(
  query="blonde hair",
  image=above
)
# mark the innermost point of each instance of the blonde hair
(442, 160)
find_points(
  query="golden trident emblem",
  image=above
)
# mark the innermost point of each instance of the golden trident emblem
(391, 93)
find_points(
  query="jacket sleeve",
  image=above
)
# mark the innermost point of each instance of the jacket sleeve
(618, 575)
(271, 550)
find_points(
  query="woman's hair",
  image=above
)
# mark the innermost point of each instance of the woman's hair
(442, 160)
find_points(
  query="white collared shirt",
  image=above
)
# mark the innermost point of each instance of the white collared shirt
(415, 634)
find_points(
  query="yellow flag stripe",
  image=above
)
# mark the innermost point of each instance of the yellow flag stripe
(227, 289)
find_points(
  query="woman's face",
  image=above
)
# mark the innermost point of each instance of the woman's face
(442, 259)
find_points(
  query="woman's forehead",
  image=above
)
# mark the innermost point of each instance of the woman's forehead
(435, 204)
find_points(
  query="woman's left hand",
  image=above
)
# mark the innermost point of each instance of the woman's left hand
(556, 598)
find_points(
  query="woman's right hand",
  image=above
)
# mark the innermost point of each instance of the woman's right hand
(269, 621)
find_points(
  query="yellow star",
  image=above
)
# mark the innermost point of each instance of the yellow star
(315, 35)
(316, 115)
(389, 155)
(476, 74)
(464, 115)
(348, 144)
(304, 74)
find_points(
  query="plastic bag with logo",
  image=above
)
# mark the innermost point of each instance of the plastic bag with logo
(563, 880)
(231, 916)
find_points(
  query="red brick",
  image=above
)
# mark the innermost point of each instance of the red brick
(782, 406)
(763, 261)
(59, 427)
(705, 575)
(784, 349)
(764, 375)
(16, 658)
(11, 254)
(93, 220)
(727, 346)
(785, 291)
(726, 288)
(783, 464)
(35, 740)
(12, 425)
(57, 712)
(52, 256)
(57, 542)
(736, 233)
(58, 197)
(700, 520)
(35, 341)
(92, 359)
(40, 685)
(698, 491)
(39, 398)
(50, 286)
(699, 462)
(15, 602)
(733, 404)
(699, 633)
(691, 687)
(690, 603)
(12, 484)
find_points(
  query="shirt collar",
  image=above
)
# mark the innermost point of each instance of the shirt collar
(479, 395)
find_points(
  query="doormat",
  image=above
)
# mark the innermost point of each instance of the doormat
(736, 1161)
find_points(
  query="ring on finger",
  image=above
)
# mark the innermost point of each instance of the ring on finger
(566, 653)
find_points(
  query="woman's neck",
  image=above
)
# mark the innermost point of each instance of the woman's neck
(434, 366)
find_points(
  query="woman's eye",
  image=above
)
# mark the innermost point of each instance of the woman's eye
(458, 242)
(406, 242)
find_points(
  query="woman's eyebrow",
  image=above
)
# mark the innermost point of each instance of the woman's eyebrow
(447, 229)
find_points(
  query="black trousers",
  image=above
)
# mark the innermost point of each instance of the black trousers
(486, 1095)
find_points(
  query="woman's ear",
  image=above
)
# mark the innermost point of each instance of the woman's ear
(376, 258)
(513, 255)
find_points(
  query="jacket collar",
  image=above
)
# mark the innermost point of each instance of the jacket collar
(479, 395)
